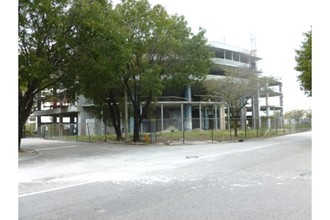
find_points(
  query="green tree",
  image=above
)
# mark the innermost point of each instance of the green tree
(161, 50)
(304, 64)
(236, 91)
(296, 115)
(99, 56)
(44, 51)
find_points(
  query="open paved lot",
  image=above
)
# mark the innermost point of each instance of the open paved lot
(256, 179)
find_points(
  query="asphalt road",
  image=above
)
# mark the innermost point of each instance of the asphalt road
(255, 179)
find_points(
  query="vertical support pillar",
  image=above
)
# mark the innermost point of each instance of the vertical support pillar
(215, 120)
(267, 107)
(228, 114)
(206, 119)
(200, 116)
(141, 127)
(256, 111)
(182, 118)
(60, 126)
(222, 117)
(131, 124)
(126, 117)
(72, 126)
(162, 116)
(243, 118)
(38, 125)
(54, 120)
(188, 111)
(253, 113)
(281, 104)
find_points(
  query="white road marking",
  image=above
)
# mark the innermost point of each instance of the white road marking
(88, 182)
(54, 148)
(54, 189)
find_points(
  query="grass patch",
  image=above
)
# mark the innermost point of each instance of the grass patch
(192, 135)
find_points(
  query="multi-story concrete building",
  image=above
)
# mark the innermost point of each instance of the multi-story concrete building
(185, 108)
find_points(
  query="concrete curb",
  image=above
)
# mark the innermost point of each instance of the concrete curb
(27, 154)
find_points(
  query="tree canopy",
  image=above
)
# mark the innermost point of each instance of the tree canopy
(304, 63)
(161, 50)
(296, 115)
(44, 51)
(236, 91)
(99, 56)
(101, 51)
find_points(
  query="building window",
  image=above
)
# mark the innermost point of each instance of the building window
(236, 56)
(228, 55)
(220, 54)
(244, 59)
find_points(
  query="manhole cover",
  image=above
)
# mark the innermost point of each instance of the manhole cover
(191, 157)
(305, 174)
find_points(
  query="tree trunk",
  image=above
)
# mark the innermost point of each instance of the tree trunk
(137, 124)
(20, 133)
(115, 117)
(139, 116)
(25, 107)
(236, 115)
(235, 126)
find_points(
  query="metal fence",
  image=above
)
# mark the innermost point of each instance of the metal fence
(176, 130)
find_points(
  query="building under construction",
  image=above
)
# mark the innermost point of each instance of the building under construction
(183, 108)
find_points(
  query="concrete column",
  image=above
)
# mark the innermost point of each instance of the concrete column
(126, 117)
(38, 124)
(267, 107)
(215, 120)
(200, 116)
(82, 117)
(243, 118)
(206, 119)
(256, 111)
(162, 116)
(72, 126)
(188, 111)
(131, 124)
(281, 104)
(222, 117)
(60, 126)
(254, 118)
(54, 120)
(228, 115)
(141, 127)
(182, 118)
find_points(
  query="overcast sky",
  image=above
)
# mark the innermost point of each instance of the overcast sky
(278, 26)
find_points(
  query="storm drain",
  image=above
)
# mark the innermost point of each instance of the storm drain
(192, 157)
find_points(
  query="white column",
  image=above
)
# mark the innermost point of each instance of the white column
(182, 118)
(162, 116)
(200, 116)
(215, 120)
(126, 117)
(142, 119)
(267, 107)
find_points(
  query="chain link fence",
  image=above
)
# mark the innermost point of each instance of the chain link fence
(177, 130)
